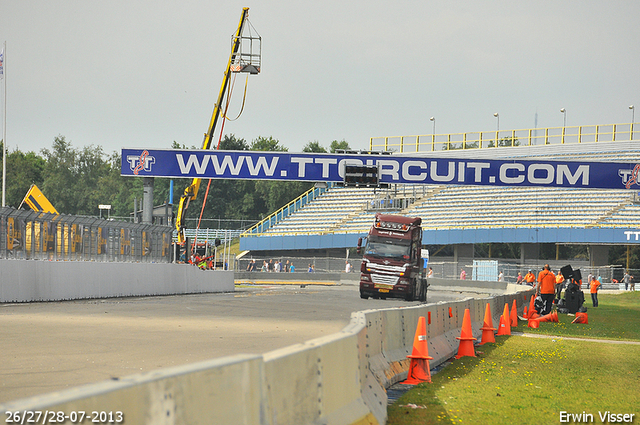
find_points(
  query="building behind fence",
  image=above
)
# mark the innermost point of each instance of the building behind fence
(26, 234)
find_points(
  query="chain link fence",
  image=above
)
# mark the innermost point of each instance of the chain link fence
(610, 276)
(31, 235)
(301, 264)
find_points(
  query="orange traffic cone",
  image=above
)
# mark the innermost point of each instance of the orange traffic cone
(419, 370)
(533, 315)
(551, 317)
(514, 314)
(532, 307)
(534, 323)
(525, 312)
(466, 337)
(487, 327)
(504, 328)
(581, 318)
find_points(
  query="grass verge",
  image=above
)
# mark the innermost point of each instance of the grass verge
(521, 380)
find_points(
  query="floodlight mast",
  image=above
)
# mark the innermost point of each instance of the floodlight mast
(191, 191)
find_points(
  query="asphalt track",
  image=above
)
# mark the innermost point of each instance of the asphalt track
(52, 346)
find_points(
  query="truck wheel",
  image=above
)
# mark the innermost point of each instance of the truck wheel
(364, 296)
(411, 295)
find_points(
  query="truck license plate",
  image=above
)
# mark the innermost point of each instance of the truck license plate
(383, 290)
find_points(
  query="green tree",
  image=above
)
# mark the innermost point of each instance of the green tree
(505, 142)
(336, 145)
(267, 144)
(23, 170)
(314, 147)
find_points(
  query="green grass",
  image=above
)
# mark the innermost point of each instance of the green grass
(617, 317)
(521, 380)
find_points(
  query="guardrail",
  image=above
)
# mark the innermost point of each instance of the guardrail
(337, 379)
(507, 138)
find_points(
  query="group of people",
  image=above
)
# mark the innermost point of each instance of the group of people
(549, 286)
(629, 282)
(204, 263)
(271, 266)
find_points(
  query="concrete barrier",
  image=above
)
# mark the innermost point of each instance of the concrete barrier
(338, 379)
(33, 280)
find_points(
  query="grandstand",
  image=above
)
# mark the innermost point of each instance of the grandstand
(463, 215)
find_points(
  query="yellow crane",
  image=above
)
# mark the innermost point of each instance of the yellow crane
(239, 61)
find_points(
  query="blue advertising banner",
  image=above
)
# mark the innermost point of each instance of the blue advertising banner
(319, 167)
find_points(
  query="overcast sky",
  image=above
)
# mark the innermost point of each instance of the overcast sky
(123, 73)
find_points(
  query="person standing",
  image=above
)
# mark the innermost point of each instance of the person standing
(463, 275)
(559, 284)
(625, 279)
(546, 288)
(594, 285)
(501, 277)
(347, 267)
(530, 278)
(519, 279)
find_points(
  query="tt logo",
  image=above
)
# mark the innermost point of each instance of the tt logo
(141, 163)
(629, 233)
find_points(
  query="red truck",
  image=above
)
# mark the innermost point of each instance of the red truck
(392, 264)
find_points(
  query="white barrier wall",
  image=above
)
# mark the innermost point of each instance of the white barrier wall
(338, 379)
(33, 280)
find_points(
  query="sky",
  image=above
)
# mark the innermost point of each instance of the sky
(143, 74)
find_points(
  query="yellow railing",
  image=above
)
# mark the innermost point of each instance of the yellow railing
(508, 138)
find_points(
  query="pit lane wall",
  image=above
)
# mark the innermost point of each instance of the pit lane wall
(34, 280)
(337, 379)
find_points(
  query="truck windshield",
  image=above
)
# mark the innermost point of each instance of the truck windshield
(400, 249)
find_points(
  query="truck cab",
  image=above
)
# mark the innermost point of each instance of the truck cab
(392, 264)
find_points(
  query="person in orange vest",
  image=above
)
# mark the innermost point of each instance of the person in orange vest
(559, 284)
(530, 278)
(546, 288)
(594, 285)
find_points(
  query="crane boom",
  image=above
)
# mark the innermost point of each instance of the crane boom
(191, 191)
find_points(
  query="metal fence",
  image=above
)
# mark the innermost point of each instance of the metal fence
(301, 264)
(508, 138)
(30, 235)
(610, 276)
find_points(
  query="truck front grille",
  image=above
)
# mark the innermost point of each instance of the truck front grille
(384, 279)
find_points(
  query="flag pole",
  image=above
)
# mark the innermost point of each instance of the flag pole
(4, 125)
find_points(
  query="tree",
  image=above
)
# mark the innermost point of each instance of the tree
(505, 142)
(336, 145)
(314, 147)
(267, 144)
(23, 170)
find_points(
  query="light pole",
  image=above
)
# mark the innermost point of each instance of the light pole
(564, 122)
(495, 114)
(433, 133)
(633, 118)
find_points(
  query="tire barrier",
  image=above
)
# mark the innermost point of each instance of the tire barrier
(337, 379)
